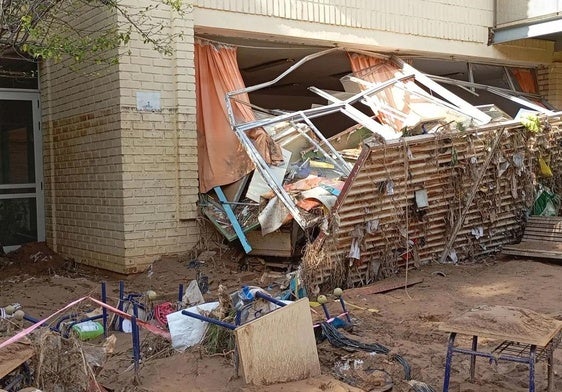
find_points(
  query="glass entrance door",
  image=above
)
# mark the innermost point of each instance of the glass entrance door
(22, 217)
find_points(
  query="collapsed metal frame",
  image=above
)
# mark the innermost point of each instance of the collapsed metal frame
(512, 95)
(345, 107)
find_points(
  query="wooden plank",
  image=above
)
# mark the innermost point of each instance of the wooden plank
(540, 230)
(278, 347)
(278, 244)
(14, 356)
(505, 323)
(545, 249)
(532, 253)
(541, 237)
(384, 286)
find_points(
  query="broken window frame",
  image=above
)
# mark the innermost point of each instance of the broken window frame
(345, 106)
(342, 106)
(518, 97)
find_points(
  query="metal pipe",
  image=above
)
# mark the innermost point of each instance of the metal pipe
(326, 312)
(288, 71)
(337, 164)
(136, 343)
(262, 295)
(104, 310)
(347, 316)
(33, 320)
(119, 320)
(209, 320)
(180, 292)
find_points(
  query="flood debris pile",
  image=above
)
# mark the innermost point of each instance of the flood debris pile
(421, 176)
(409, 197)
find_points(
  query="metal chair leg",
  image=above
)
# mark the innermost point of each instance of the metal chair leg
(550, 368)
(448, 361)
(532, 359)
(473, 358)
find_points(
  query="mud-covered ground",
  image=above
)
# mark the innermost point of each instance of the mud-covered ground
(406, 321)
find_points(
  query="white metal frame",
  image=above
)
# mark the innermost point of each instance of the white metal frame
(39, 195)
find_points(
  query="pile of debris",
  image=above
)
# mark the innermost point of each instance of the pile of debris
(425, 177)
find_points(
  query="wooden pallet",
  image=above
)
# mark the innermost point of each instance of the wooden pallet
(542, 238)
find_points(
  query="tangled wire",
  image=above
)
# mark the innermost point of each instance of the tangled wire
(337, 339)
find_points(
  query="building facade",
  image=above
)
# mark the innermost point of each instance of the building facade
(116, 186)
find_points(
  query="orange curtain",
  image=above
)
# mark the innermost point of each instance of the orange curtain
(221, 158)
(375, 70)
(526, 79)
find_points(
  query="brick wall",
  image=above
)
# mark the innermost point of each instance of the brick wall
(442, 27)
(82, 158)
(121, 185)
(454, 19)
(550, 83)
(159, 148)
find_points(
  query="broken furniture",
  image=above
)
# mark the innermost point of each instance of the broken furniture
(542, 238)
(269, 349)
(278, 347)
(527, 337)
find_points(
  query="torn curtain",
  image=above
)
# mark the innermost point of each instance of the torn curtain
(526, 79)
(221, 158)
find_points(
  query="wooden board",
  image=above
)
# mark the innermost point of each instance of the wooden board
(534, 249)
(278, 347)
(384, 285)
(13, 356)
(505, 323)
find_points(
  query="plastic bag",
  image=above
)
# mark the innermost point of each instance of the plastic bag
(544, 168)
(546, 203)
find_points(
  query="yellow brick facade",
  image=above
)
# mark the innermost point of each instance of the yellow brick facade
(121, 185)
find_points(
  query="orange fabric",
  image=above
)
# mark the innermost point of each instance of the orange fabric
(526, 79)
(375, 70)
(221, 158)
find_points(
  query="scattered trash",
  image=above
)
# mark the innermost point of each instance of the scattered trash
(421, 198)
(477, 232)
(40, 257)
(88, 330)
(194, 264)
(187, 331)
(192, 295)
(453, 256)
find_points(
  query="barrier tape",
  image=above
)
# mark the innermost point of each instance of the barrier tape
(20, 335)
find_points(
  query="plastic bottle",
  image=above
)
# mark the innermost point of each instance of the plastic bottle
(88, 330)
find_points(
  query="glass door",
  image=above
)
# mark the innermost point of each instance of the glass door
(22, 216)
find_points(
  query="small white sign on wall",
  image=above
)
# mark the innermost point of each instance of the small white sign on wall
(148, 101)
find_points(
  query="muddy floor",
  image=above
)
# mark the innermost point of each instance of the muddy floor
(406, 321)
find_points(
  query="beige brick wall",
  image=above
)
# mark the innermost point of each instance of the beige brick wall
(455, 19)
(82, 158)
(446, 28)
(159, 148)
(550, 83)
(121, 185)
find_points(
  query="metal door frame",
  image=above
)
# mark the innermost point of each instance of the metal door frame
(39, 194)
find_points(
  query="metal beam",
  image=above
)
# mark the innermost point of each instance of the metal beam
(528, 30)
(442, 91)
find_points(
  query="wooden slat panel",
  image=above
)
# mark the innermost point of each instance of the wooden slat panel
(447, 180)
